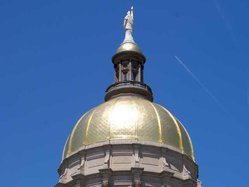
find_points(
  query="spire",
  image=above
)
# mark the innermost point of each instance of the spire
(129, 66)
(128, 43)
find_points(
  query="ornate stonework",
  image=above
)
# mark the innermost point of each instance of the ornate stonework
(128, 163)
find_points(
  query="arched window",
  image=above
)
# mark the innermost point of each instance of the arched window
(116, 76)
(134, 72)
(125, 70)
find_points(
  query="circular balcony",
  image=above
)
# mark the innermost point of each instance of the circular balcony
(129, 87)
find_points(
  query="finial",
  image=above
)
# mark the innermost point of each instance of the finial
(128, 26)
(128, 45)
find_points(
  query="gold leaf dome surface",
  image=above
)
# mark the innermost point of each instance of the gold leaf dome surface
(129, 46)
(129, 118)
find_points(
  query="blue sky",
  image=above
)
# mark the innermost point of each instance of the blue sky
(55, 64)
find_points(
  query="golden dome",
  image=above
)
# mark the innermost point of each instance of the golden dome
(130, 50)
(129, 46)
(129, 118)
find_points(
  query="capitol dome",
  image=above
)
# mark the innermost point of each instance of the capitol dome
(128, 140)
(129, 118)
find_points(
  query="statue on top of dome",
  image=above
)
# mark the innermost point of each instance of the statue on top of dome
(128, 26)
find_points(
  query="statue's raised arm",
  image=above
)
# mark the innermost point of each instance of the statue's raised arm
(128, 26)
